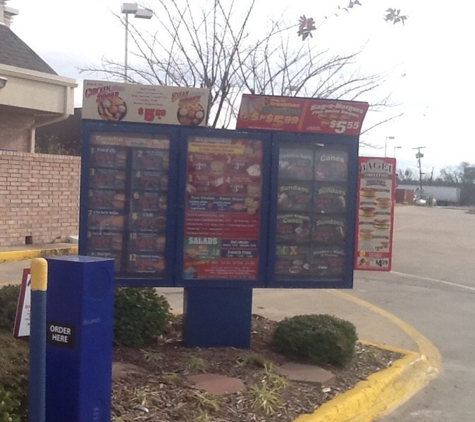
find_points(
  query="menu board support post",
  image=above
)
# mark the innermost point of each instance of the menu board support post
(217, 317)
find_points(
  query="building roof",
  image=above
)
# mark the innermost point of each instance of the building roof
(14, 52)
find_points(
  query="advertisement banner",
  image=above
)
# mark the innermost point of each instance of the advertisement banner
(306, 115)
(119, 102)
(376, 196)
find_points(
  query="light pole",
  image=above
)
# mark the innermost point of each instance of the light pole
(395, 148)
(132, 9)
(386, 145)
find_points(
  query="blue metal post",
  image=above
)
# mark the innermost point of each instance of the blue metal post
(79, 336)
(217, 317)
(36, 399)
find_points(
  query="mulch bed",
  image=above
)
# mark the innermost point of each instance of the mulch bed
(158, 389)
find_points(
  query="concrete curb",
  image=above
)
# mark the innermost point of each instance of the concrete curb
(384, 391)
(380, 393)
(22, 255)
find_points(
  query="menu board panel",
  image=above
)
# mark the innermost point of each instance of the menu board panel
(128, 202)
(311, 212)
(222, 208)
(377, 180)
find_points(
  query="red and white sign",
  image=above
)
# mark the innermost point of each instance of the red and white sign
(374, 228)
(118, 102)
(306, 115)
(22, 320)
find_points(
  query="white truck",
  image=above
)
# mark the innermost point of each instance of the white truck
(444, 195)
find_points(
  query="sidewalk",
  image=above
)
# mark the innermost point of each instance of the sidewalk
(377, 395)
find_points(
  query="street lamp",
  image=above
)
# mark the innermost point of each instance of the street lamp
(395, 148)
(386, 144)
(132, 9)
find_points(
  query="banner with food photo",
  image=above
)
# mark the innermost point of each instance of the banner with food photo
(120, 102)
(222, 208)
(306, 115)
(376, 194)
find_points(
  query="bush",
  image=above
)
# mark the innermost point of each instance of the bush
(317, 339)
(140, 316)
(8, 303)
(8, 406)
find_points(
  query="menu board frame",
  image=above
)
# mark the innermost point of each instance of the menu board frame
(175, 228)
(326, 142)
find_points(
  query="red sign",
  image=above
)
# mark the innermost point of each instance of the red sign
(374, 229)
(306, 115)
(222, 219)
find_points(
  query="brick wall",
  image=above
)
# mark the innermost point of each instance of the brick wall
(39, 197)
(14, 130)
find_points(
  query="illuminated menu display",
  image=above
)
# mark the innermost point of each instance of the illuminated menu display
(311, 212)
(128, 201)
(222, 208)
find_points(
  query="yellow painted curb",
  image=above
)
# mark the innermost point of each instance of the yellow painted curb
(9, 283)
(387, 389)
(24, 255)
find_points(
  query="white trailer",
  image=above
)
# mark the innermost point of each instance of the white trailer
(444, 195)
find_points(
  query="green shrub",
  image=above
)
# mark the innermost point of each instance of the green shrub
(140, 316)
(317, 339)
(8, 406)
(8, 303)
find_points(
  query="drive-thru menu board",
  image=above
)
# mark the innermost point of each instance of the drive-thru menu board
(312, 212)
(127, 202)
(377, 180)
(222, 208)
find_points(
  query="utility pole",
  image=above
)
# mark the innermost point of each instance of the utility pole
(419, 156)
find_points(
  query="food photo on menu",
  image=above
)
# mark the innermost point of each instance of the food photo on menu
(374, 216)
(331, 165)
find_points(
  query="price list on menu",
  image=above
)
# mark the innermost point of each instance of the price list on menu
(128, 195)
(311, 212)
(222, 208)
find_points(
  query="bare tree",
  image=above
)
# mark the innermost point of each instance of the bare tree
(214, 44)
(407, 175)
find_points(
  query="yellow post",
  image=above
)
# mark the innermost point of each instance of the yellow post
(37, 384)
(39, 274)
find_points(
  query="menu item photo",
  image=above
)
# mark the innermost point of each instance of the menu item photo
(329, 229)
(330, 198)
(331, 165)
(296, 163)
(292, 261)
(295, 196)
(328, 262)
(107, 178)
(293, 228)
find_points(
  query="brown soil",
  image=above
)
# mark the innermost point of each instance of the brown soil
(158, 390)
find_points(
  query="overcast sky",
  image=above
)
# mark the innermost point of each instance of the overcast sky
(429, 60)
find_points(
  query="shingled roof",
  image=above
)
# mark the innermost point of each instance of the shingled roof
(14, 52)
